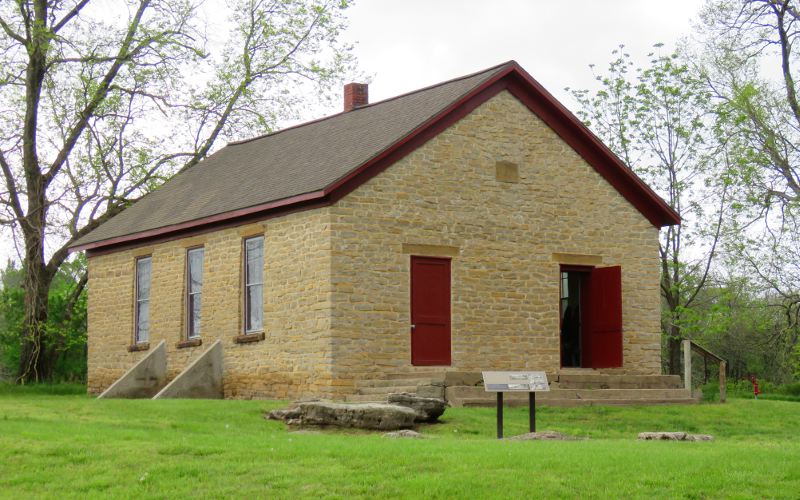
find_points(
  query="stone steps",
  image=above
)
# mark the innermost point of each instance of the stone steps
(476, 396)
(379, 389)
(481, 402)
(605, 381)
(427, 375)
(477, 392)
(400, 382)
(386, 389)
(578, 387)
(365, 398)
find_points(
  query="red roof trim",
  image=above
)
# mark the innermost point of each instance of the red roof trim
(213, 220)
(515, 80)
(592, 149)
(553, 113)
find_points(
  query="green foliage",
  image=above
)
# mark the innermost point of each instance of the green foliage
(746, 328)
(120, 97)
(744, 389)
(747, 56)
(655, 118)
(58, 389)
(64, 340)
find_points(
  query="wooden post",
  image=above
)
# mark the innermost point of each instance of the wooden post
(687, 364)
(723, 389)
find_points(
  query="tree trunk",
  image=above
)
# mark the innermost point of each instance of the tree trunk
(33, 361)
(34, 365)
(674, 349)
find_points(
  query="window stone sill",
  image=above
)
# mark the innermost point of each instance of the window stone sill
(189, 343)
(250, 337)
(141, 346)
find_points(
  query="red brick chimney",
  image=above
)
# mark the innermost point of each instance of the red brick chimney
(355, 96)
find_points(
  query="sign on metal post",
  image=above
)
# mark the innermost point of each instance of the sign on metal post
(530, 382)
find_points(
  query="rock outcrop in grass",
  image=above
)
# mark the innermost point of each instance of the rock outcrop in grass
(373, 416)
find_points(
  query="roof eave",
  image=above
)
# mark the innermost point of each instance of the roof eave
(513, 78)
(312, 199)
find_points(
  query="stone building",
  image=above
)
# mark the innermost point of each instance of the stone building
(472, 225)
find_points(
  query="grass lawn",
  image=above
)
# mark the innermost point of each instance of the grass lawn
(70, 445)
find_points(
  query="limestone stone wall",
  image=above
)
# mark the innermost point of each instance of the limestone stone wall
(294, 359)
(498, 192)
(506, 237)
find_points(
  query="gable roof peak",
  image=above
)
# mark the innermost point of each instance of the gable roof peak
(316, 163)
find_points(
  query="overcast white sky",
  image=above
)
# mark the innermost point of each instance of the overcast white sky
(408, 44)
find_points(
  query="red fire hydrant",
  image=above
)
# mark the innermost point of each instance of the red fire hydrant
(754, 381)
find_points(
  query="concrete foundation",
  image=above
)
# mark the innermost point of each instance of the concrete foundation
(144, 379)
(202, 379)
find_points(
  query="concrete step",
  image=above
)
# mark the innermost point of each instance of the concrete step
(476, 396)
(430, 375)
(482, 402)
(365, 398)
(400, 382)
(606, 381)
(557, 393)
(387, 389)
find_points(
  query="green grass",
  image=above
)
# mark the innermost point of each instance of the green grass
(75, 446)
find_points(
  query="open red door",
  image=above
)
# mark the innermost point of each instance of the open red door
(602, 336)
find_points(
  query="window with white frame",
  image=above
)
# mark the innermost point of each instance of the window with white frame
(194, 291)
(254, 284)
(142, 306)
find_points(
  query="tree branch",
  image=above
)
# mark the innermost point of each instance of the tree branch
(10, 32)
(72, 13)
(11, 185)
(99, 95)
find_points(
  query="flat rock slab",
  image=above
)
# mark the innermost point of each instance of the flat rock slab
(674, 436)
(427, 409)
(404, 434)
(545, 436)
(373, 416)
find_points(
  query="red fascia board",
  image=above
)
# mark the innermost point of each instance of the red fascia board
(553, 113)
(209, 228)
(592, 149)
(419, 136)
(214, 221)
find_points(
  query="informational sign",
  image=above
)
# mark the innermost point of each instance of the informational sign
(515, 382)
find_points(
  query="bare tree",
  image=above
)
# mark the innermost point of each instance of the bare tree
(97, 108)
(656, 119)
(750, 65)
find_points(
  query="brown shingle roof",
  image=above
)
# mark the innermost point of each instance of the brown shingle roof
(288, 163)
(318, 162)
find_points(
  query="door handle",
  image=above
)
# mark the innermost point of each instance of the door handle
(413, 326)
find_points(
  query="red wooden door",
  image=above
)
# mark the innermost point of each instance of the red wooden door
(602, 335)
(430, 311)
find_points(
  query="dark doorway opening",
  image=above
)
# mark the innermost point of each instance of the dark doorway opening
(573, 301)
